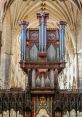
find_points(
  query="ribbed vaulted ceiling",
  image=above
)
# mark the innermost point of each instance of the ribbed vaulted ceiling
(66, 10)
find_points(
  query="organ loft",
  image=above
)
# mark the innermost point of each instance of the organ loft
(42, 58)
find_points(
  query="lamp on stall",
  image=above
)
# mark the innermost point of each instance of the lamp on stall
(28, 112)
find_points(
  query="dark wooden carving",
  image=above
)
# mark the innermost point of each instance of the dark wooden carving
(21, 100)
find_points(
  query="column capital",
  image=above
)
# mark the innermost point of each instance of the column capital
(23, 23)
(43, 16)
(63, 23)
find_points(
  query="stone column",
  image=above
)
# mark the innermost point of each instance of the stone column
(6, 49)
(77, 57)
(79, 45)
(81, 34)
(75, 35)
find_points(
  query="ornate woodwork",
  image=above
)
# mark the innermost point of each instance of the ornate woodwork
(19, 100)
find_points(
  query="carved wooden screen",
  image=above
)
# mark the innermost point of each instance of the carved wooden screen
(42, 106)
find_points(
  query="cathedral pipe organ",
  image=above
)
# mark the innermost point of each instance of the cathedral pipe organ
(42, 59)
(43, 46)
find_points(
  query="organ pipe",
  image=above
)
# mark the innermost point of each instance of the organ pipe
(42, 30)
(57, 36)
(62, 40)
(23, 26)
